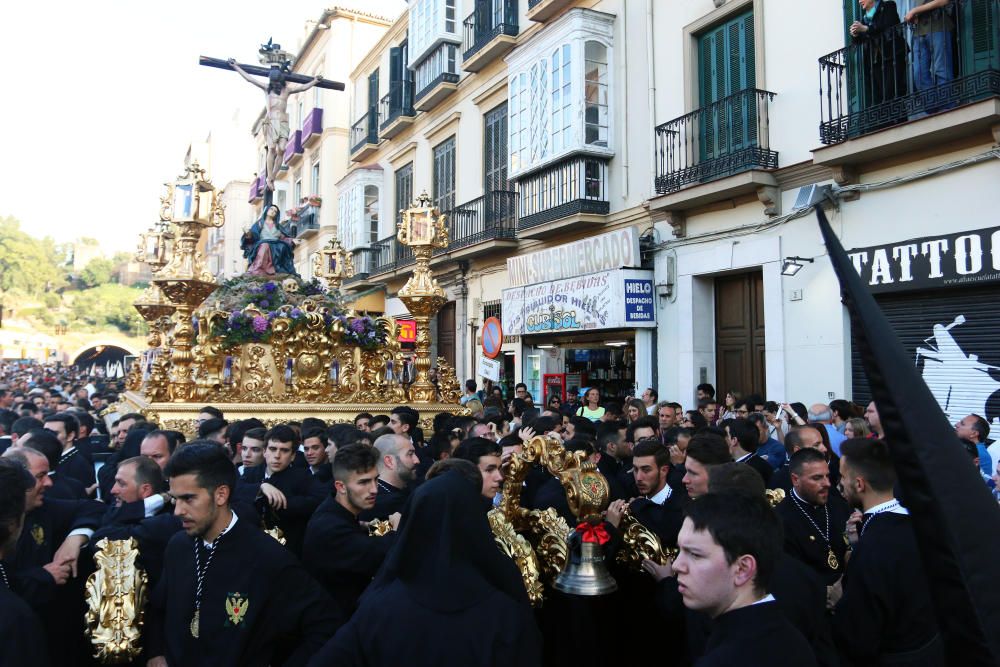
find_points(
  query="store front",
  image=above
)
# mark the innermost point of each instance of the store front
(942, 296)
(583, 328)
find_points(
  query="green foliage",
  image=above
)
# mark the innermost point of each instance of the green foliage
(28, 266)
(98, 272)
(108, 305)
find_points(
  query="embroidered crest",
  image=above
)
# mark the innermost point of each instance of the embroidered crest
(38, 533)
(236, 608)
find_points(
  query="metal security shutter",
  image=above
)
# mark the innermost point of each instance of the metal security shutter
(961, 365)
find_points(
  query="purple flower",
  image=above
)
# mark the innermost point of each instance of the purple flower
(296, 312)
(259, 324)
(269, 287)
(264, 303)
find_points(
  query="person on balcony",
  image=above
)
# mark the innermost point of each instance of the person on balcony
(881, 44)
(268, 246)
(932, 56)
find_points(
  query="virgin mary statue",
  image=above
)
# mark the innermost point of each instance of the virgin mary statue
(268, 246)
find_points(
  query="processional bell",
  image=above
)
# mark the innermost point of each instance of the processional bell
(585, 572)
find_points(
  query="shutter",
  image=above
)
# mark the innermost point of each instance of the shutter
(395, 80)
(962, 365)
(727, 67)
(977, 36)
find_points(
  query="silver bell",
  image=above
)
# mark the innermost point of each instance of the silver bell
(585, 572)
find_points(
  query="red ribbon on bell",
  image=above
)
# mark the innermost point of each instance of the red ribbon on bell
(593, 533)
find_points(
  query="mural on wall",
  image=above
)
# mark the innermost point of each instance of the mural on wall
(960, 382)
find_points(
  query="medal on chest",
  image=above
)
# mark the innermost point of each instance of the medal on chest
(194, 623)
(831, 560)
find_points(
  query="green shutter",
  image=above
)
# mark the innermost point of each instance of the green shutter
(977, 38)
(727, 66)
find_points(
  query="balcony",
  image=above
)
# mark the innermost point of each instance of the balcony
(257, 188)
(293, 149)
(543, 10)
(384, 256)
(364, 136)
(312, 127)
(304, 221)
(568, 193)
(364, 262)
(484, 223)
(436, 77)
(872, 107)
(396, 109)
(489, 33)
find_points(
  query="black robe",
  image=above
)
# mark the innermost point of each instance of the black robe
(285, 616)
(152, 533)
(886, 607)
(340, 553)
(758, 635)
(303, 493)
(761, 466)
(446, 595)
(75, 464)
(323, 473)
(22, 641)
(390, 499)
(806, 544)
(65, 488)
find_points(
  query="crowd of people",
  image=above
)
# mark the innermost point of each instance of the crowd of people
(368, 543)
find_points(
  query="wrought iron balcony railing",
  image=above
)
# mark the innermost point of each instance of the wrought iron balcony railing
(398, 102)
(364, 262)
(576, 185)
(491, 19)
(492, 216)
(438, 67)
(365, 130)
(384, 255)
(881, 80)
(722, 139)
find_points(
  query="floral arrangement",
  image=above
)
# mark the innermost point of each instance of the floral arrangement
(365, 332)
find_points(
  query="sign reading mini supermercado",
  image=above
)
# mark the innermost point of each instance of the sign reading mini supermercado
(950, 260)
(603, 252)
(616, 299)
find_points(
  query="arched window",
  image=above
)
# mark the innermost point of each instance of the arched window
(371, 212)
(595, 83)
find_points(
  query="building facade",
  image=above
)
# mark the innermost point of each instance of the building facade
(627, 186)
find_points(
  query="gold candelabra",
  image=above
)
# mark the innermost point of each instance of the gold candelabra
(423, 228)
(333, 264)
(190, 205)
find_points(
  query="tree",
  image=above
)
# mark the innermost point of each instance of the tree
(28, 266)
(98, 272)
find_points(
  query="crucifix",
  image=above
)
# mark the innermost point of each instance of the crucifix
(277, 88)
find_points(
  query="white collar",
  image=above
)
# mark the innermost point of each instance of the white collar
(232, 522)
(891, 506)
(663, 495)
(766, 598)
(69, 451)
(803, 500)
(744, 457)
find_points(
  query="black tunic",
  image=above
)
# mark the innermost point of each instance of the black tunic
(340, 553)
(323, 473)
(886, 607)
(390, 499)
(286, 616)
(808, 545)
(152, 533)
(75, 464)
(303, 493)
(21, 639)
(446, 595)
(761, 466)
(664, 519)
(756, 636)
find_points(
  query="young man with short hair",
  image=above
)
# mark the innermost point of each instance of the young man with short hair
(744, 439)
(284, 495)
(659, 508)
(252, 451)
(485, 454)
(230, 594)
(703, 451)
(314, 444)
(73, 463)
(649, 399)
(338, 549)
(729, 547)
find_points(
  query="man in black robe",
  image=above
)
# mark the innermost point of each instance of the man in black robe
(446, 595)
(744, 438)
(63, 486)
(397, 473)
(729, 546)
(142, 509)
(338, 550)
(73, 462)
(230, 594)
(314, 444)
(45, 567)
(885, 615)
(22, 641)
(284, 495)
(814, 519)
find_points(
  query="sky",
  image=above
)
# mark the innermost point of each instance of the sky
(108, 94)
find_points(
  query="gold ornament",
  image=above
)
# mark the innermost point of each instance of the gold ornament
(116, 596)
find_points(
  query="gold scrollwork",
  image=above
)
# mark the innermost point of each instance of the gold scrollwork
(640, 543)
(116, 595)
(520, 551)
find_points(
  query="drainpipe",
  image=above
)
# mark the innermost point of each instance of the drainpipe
(623, 77)
(651, 84)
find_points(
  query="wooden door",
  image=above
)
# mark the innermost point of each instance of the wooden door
(739, 334)
(446, 333)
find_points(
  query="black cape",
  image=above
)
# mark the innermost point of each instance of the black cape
(285, 616)
(756, 636)
(446, 595)
(21, 639)
(303, 493)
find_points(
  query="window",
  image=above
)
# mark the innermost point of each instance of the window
(559, 91)
(404, 187)
(318, 96)
(442, 60)
(315, 185)
(297, 191)
(495, 150)
(444, 175)
(595, 95)
(371, 212)
(301, 117)
(431, 22)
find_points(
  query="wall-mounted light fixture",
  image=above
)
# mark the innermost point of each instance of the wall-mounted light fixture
(792, 265)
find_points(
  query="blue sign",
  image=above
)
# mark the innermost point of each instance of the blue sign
(638, 300)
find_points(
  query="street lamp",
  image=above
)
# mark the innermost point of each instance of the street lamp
(792, 265)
